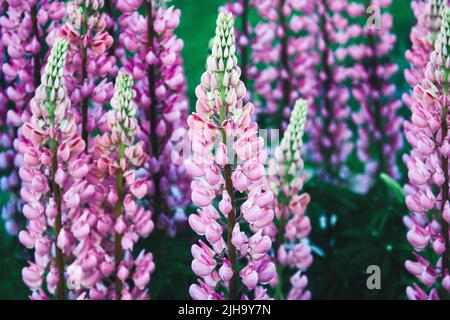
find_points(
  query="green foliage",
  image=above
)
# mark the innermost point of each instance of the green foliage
(394, 186)
(357, 231)
(13, 258)
(173, 274)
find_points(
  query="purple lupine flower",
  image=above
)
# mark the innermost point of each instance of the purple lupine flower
(117, 158)
(298, 51)
(151, 52)
(221, 131)
(282, 59)
(291, 226)
(83, 211)
(329, 135)
(428, 15)
(241, 9)
(52, 176)
(377, 120)
(423, 36)
(89, 64)
(427, 193)
(25, 25)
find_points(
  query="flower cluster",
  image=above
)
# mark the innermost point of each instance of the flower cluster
(24, 25)
(328, 129)
(428, 172)
(93, 179)
(291, 227)
(299, 50)
(82, 211)
(150, 51)
(379, 135)
(52, 175)
(423, 35)
(117, 158)
(227, 164)
(282, 60)
(86, 208)
(89, 63)
(241, 9)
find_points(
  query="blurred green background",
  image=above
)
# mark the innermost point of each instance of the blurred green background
(350, 231)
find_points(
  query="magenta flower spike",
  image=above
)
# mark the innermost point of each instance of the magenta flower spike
(118, 156)
(47, 162)
(8, 181)
(89, 64)
(278, 53)
(423, 37)
(230, 194)
(151, 52)
(427, 194)
(242, 9)
(377, 120)
(84, 212)
(330, 138)
(291, 226)
(297, 50)
(25, 25)
(428, 15)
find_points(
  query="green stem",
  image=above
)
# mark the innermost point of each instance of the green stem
(285, 57)
(376, 107)
(110, 12)
(59, 260)
(232, 255)
(5, 49)
(153, 112)
(117, 214)
(36, 58)
(445, 186)
(244, 49)
(85, 102)
(331, 170)
(279, 288)
(228, 171)
(278, 244)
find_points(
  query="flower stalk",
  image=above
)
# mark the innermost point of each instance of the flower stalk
(227, 161)
(153, 57)
(428, 188)
(291, 227)
(42, 134)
